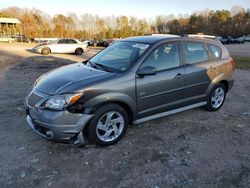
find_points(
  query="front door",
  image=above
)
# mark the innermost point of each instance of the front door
(164, 90)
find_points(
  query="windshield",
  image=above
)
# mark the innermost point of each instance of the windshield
(119, 56)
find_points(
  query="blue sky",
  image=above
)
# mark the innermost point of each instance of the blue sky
(139, 8)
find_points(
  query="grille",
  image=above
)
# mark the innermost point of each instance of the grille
(33, 99)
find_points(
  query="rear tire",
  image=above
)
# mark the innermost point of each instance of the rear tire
(45, 51)
(216, 97)
(108, 125)
(79, 51)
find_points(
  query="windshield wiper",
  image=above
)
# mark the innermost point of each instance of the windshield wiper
(92, 64)
(103, 67)
(106, 68)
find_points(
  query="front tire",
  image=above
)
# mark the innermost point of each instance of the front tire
(216, 97)
(108, 125)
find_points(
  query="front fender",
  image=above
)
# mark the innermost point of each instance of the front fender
(112, 98)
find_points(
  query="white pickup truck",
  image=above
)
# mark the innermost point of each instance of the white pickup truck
(62, 46)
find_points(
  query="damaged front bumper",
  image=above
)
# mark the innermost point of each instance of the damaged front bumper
(60, 126)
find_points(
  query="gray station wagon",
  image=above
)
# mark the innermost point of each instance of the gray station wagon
(132, 81)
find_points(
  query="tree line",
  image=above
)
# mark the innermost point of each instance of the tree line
(36, 23)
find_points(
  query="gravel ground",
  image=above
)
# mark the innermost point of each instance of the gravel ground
(195, 148)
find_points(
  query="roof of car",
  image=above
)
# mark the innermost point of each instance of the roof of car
(150, 39)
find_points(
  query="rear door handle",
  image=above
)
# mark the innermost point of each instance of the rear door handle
(179, 76)
(212, 68)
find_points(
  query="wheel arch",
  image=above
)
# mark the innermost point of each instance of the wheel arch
(125, 106)
(221, 78)
(122, 100)
(79, 47)
(46, 47)
(226, 84)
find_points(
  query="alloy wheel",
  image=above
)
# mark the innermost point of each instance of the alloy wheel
(218, 97)
(110, 126)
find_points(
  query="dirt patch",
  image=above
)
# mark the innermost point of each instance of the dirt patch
(195, 148)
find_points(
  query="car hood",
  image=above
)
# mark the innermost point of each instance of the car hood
(70, 78)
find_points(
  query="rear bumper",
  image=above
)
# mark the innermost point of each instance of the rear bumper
(60, 126)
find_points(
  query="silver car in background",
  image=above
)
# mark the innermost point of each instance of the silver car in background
(64, 45)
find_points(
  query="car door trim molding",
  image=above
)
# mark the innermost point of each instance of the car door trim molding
(167, 113)
(173, 90)
(172, 103)
(162, 93)
(193, 85)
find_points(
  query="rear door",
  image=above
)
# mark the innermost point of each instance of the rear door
(164, 90)
(71, 46)
(59, 47)
(200, 69)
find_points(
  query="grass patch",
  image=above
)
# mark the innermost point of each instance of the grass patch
(242, 62)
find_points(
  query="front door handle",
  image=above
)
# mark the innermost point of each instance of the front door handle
(179, 76)
(212, 68)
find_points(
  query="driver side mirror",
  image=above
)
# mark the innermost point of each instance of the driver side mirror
(148, 70)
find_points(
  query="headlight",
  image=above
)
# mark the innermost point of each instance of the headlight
(59, 102)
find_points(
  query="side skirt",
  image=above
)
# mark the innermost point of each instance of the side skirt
(167, 113)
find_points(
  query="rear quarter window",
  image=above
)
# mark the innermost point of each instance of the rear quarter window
(216, 51)
(195, 52)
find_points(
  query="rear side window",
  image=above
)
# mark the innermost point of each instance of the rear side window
(71, 41)
(216, 51)
(195, 52)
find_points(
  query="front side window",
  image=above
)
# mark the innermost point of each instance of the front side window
(120, 56)
(164, 57)
(195, 52)
(216, 51)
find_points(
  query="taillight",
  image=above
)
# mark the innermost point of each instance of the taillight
(232, 63)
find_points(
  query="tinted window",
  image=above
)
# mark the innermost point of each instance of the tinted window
(71, 41)
(118, 53)
(61, 41)
(164, 57)
(216, 51)
(67, 41)
(195, 52)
